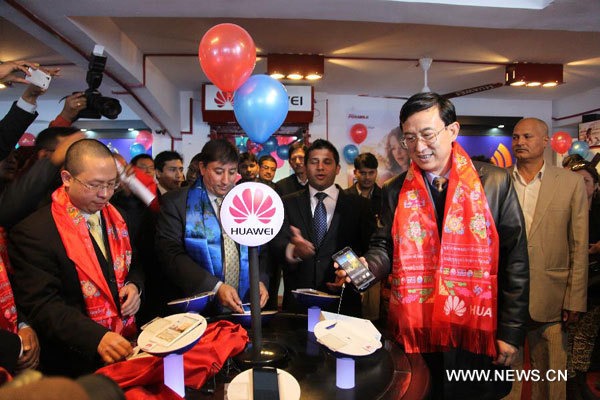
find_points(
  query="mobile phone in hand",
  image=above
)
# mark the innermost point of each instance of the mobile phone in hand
(39, 78)
(360, 276)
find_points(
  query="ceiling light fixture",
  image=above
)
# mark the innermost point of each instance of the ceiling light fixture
(534, 75)
(500, 126)
(130, 129)
(2, 86)
(296, 66)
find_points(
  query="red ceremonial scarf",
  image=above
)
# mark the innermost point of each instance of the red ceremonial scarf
(444, 293)
(75, 236)
(8, 319)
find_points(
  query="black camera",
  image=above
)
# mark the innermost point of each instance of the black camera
(98, 105)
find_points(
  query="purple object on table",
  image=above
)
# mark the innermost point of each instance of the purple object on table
(344, 373)
(173, 371)
(313, 317)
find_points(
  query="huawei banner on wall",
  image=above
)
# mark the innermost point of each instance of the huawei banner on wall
(217, 106)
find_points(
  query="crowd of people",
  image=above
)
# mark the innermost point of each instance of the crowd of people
(472, 261)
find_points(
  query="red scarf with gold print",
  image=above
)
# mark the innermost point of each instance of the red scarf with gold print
(444, 292)
(8, 318)
(76, 238)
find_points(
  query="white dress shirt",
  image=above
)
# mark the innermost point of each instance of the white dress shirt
(528, 193)
(329, 202)
(25, 106)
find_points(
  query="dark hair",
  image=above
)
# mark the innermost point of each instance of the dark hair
(320, 144)
(161, 159)
(81, 148)
(267, 157)
(220, 150)
(247, 156)
(366, 160)
(139, 157)
(586, 165)
(299, 145)
(197, 157)
(482, 158)
(48, 138)
(424, 101)
(572, 159)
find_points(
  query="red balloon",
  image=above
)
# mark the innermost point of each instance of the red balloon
(358, 133)
(561, 142)
(145, 139)
(27, 140)
(227, 55)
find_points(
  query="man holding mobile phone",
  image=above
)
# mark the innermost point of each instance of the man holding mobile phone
(319, 221)
(452, 234)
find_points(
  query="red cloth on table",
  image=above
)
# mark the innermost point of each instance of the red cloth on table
(143, 378)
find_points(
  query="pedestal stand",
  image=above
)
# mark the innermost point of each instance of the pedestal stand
(314, 313)
(344, 372)
(174, 376)
(258, 353)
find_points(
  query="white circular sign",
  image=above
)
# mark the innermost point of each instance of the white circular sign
(251, 214)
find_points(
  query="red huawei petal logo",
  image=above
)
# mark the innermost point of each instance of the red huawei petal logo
(257, 204)
(223, 98)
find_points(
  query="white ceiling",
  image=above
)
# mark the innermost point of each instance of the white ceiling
(566, 31)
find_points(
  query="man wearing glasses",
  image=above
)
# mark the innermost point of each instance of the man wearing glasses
(74, 275)
(453, 237)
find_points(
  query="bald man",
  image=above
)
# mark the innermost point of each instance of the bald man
(555, 207)
(74, 275)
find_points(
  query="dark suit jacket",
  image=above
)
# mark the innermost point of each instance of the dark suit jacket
(289, 185)
(10, 347)
(375, 200)
(47, 290)
(185, 274)
(351, 225)
(12, 127)
(513, 265)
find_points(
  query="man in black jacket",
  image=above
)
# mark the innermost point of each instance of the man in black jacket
(75, 278)
(319, 221)
(429, 126)
(296, 181)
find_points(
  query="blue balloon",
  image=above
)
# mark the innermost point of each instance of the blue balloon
(260, 106)
(350, 153)
(136, 148)
(270, 145)
(580, 147)
(283, 151)
(261, 153)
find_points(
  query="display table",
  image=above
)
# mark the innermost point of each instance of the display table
(386, 374)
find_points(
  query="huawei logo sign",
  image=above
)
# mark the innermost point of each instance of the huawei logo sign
(252, 213)
(249, 204)
(223, 98)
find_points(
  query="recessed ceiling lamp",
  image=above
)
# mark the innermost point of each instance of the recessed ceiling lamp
(295, 66)
(534, 75)
(500, 126)
(2, 86)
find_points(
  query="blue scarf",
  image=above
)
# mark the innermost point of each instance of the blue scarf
(203, 238)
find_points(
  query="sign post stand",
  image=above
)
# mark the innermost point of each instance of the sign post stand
(255, 207)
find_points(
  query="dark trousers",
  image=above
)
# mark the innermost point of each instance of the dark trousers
(455, 360)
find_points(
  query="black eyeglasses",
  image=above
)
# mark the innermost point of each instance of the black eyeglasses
(428, 137)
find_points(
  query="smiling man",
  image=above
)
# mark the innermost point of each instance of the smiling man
(319, 221)
(74, 274)
(453, 237)
(196, 255)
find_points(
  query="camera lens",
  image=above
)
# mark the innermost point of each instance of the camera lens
(109, 107)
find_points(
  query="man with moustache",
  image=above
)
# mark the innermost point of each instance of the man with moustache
(555, 207)
(296, 181)
(248, 167)
(195, 253)
(75, 278)
(319, 221)
(452, 235)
